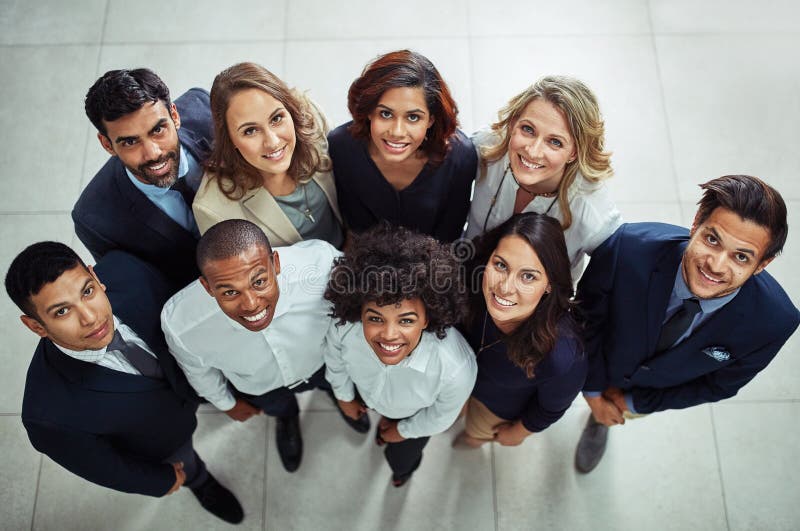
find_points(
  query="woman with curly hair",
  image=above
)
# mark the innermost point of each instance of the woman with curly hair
(269, 164)
(531, 363)
(402, 159)
(395, 294)
(546, 154)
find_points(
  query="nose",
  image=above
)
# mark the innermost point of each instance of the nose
(390, 331)
(271, 140)
(534, 148)
(86, 315)
(249, 301)
(398, 129)
(506, 285)
(716, 262)
(152, 150)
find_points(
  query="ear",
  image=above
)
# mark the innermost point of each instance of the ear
(99, 283)
(33, 325)
(106, 143)
(762, 265)
(276, 263)
(176, 118)
(205, 284)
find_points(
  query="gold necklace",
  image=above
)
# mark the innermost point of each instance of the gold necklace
(483, 336)
(546, 195)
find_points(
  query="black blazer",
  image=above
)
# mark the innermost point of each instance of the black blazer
(106, 426)
(112, 213)
(623, 297)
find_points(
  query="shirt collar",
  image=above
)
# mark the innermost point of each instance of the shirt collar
(681, 291)
(419, 357)
(151, 190)
(90, 356)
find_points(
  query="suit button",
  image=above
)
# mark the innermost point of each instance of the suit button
(645, 368)
(626, 379)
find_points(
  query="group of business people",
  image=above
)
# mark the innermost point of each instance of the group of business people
(245, 253)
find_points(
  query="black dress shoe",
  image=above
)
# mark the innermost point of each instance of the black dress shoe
(290, 442)
(361, 425)
(592, 445)
(399, 481)
(218, 500)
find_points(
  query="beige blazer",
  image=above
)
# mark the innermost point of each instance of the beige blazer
(210, 206)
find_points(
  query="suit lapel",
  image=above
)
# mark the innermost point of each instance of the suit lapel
(263, 207)
(662, 280)
(325, 181)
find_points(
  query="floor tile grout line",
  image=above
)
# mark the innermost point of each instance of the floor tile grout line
(719, 466)
(36, 493)
(285, 66)
(266, 471)
(494, 489)
(660, 77)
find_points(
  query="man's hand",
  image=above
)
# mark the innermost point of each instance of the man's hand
(353, 409)
(604, 410)
(387, 430)
(511, 433)
(180, 477)
(616, 396)
(242, 410)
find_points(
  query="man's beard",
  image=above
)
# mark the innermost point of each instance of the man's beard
(162, 181)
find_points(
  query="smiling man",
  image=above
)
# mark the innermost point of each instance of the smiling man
(140, 201)
(677, 318)
(249, 332)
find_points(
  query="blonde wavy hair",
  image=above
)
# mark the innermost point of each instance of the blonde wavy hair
(234, 175)
(579, 106)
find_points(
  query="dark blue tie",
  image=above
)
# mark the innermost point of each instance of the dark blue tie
(678, 324)
(141, 360)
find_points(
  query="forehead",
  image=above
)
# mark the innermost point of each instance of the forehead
(240, 267)
(404, 306)
(138, 122)
(404, 98)
(736, 232)
(251, 104)
(518, 253)
(545, 115)
(63, 289)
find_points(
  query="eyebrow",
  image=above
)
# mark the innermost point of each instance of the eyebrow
(745, 250)
(560, 137)
(64, 303)
(412, 111)
(271, 115)
(161, 123)
(258, 272)
(526, 269)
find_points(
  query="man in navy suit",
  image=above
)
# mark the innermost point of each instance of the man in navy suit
(141, 199)
(103, 396)
(676, 318)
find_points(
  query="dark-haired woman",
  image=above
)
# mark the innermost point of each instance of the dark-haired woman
(396, 294)
(402, 159)
(531, 363)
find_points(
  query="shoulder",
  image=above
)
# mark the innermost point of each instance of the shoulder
(103, 189)
(763, 291)
(461, 154)
(485, 137)
(568, 353)
(648, 237)
(209, 194)
(455, 350)
(306, 260)
(340, 137)
(184, 310)
(193, 98)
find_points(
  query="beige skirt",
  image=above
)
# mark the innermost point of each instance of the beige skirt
(480, 423)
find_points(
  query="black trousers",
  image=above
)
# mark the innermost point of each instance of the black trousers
(405, 456)
(281, 402)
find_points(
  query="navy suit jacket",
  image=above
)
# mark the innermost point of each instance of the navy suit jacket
(623, 296)
(112, 213)
(110, 427)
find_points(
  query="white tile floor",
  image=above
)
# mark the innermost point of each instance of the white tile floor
(690, 90)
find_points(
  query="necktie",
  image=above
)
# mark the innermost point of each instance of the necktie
(182, 187)
(678, 324)
(141, 360)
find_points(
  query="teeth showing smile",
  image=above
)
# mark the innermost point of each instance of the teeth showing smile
(503, 302)
(529, 164)
(710, 279)
(390, 348)
(257, 317)
(158, 166)
(275, 154)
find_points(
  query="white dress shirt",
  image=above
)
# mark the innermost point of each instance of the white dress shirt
(427, 389)
(111, 359)
(594, 215)
(213, 349)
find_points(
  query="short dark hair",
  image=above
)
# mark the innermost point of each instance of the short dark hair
(405, 68)
(387, 265)
(121, 92)
(37, 265)
(752, 199)
(227, 239)
(536, 337)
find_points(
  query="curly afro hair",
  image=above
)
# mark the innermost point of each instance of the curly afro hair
(386, 265)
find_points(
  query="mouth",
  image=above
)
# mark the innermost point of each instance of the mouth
(275, 155)
(529, 164)
(99, 332)
(390, 350)
(395, 147)
(256, 319)
(708, 277)
(505, 303)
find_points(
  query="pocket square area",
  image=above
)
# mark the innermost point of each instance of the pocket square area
(718, 353)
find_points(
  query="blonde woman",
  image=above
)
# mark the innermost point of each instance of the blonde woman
(545, 154)
(269, 164)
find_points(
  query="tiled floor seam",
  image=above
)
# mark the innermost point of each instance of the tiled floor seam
(719, 467)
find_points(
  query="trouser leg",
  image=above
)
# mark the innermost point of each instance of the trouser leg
(405, 456)
(193, 465)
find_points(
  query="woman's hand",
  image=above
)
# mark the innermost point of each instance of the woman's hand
(511, 433)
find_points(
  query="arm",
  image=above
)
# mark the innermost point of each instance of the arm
(453, 215)
(335, 370)
(91, 239)
(95, 459)
(440, 415)
(203, 215)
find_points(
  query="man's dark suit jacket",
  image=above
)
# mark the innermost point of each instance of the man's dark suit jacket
(623, 297)
(106, 426)
(112, 213)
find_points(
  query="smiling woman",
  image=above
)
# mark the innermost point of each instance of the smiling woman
(402, 159)
(269, 164)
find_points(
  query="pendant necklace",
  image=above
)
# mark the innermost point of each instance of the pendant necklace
(483, 336)
(307, 212)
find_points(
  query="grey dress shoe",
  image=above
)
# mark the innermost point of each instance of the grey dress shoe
(592, 445)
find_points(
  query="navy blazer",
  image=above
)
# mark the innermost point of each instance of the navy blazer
(623, 297)
(112, 213)
(110, 427)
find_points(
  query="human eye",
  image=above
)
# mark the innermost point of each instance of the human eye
(556, 142)
(742, 258)
(528, 277)
(500, 265)
(278, 118)
(527, 129)
(374, 319)
(383, 113)
(89, 291)
(407, 321)
(260, 283)
(61, 312)
(128, 142)
(249, 131)
(711, 239)
(230, 293)
(413, 118)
